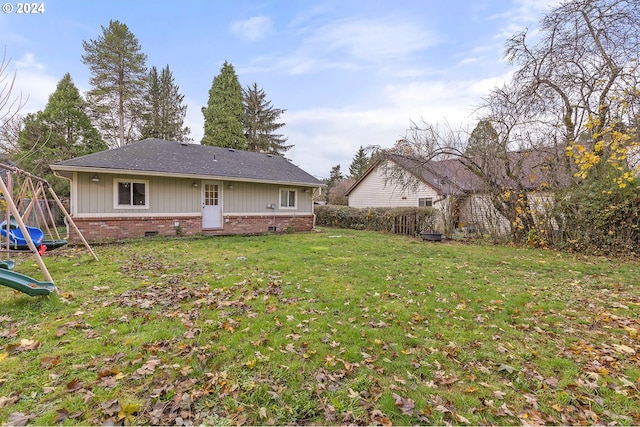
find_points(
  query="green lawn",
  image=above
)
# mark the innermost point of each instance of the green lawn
(330, 327)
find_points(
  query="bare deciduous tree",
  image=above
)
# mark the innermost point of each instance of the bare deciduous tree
(584, 65)
(10, 106)
(576, 78)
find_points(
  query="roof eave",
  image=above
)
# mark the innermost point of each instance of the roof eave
(136, 172)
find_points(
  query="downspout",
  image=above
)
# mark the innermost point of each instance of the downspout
(313, 208)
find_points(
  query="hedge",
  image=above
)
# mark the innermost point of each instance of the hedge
(375, 219)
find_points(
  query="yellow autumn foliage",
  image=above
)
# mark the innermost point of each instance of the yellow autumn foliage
(611, 146)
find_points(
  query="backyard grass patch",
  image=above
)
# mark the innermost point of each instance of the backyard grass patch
(333, 327)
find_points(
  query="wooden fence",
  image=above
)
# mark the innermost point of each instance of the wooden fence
(406, 224)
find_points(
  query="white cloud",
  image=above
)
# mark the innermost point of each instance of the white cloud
(525, 13)
(468, 61)
(358, 43)
(194, 119)
(32, 84)
(372, 40)
(28, 62)
(326, 137)
(252, 29)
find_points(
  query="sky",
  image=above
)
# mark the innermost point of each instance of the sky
(349, 73)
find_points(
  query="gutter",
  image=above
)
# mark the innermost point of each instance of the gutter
(179, 175)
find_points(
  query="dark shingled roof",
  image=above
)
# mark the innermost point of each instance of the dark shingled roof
(451, 176)
(177, 158)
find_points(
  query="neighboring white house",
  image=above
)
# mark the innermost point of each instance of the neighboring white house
(376, 189)
(403, 182)
(449, 187)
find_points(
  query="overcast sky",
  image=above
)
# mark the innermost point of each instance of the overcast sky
(350, 73)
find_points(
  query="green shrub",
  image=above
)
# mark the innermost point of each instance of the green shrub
(373, 219)
(601, 217)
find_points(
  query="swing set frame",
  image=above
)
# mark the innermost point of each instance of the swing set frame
(38, 188)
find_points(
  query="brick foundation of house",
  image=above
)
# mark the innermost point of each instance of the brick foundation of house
(109, 229)
(262, 224)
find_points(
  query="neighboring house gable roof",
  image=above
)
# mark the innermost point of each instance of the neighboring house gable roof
(451, 176)
(155, 156)
(444, 176)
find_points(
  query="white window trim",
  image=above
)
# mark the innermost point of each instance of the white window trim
(429, 199)
(132, 181)
(295, 206)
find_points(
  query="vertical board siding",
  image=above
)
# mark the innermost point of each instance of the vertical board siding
(179, 196)
(253, 198)
(478, 214)
(166, 195)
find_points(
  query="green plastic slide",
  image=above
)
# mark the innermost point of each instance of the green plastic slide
(26, 284)
(7, 264)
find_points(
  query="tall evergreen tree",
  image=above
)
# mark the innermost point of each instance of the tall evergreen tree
(483, 140)
(61, 131)
(164, 113)
(118, 76)
(260, 123)
(335, 176)
(223, 113)
(359, 164)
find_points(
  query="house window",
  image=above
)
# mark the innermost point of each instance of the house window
(130, 194)
(211, 195)
(288, 199)
(425, 202)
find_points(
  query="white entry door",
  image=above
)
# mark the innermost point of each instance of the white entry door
(211, 206)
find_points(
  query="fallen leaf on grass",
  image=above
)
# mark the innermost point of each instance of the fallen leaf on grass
(9, 333)
(405, 405)
(19, 419)
(624, 349)
(61, 415)
(330, 413)
(108, 382)
(379, 418)
(74, 385)
(262, 413)
(25, 345)
(499, 394)
(107, 372)
(443, 379)
(49, 362)
(110, 408)
(531, 400)
(504, 410)
(552, 382)
(506, 368)
(147, 369)
(6, 401)
(462, 419)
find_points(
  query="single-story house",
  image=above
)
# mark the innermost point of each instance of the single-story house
(155, 187)
(449, 186)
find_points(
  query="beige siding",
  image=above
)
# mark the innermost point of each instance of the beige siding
(253, 198)
(478, 214)
(541, 205)
(167, 195)
(170, 195)
(374, 192)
